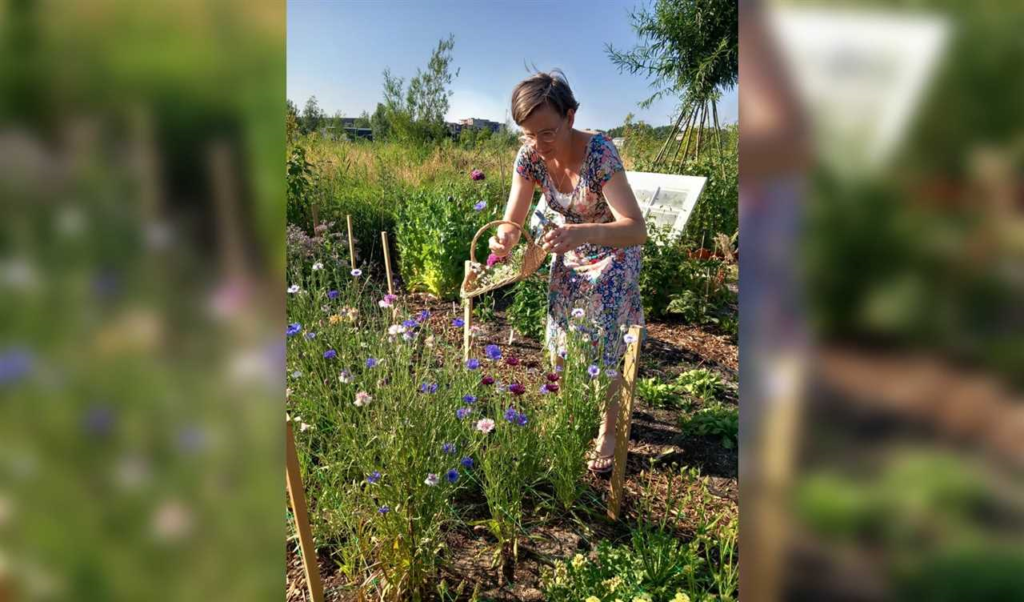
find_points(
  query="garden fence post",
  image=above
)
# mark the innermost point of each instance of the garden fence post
(298, 500)
(467, 304)
(351, 246)
(623, 423)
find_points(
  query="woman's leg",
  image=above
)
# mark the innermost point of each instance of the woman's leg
(604, 447)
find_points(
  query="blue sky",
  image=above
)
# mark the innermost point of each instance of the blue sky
(338, 51)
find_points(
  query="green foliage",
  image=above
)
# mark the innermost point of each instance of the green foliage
(658, 394)
(300, 180)
(529, 308)
(702, 383)
(434, 232)
(312, 116)
(417, 114)
(714, 420)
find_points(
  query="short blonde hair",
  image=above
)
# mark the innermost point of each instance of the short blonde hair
(542, 88)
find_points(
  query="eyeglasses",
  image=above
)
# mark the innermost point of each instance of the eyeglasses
(546, 137)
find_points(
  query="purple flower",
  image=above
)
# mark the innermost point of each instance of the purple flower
(480, 206)
(469, 398)
(512, 361)
(383, 510)
(373, 477)
(521, 419)
(511, 414)
(461, 413)
(551, 387)
(493, 259)
(448, 448)
(458, 323)
(593, 371)
(487, 380)
(294, 329)
(453, 475)
(371, 362)
(332, 294)
(310, 335)
(473, 363)
(516, 389)
(423, 317)
(429, 388)
(330, 354)
(492, 352)
(411, 324)
(552, 377)
(629, 339)
(476, 174)
(611, 373)
(466, 462)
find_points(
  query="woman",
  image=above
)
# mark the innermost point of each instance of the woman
(598, 250)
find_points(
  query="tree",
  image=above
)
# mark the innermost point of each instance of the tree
(418, 112)
(291, 121)
(363, 121)
(312, 116)
(380, 123)
(691, 49)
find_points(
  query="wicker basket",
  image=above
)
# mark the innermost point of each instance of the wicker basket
(533, 258)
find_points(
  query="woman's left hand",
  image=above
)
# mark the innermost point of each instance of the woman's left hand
(563, 239)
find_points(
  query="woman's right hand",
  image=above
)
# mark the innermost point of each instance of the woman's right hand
(502, 242)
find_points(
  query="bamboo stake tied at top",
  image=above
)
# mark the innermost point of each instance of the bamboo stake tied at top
(623, 423)
(297, 496)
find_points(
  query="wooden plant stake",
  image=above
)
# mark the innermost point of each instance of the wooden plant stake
(623, 423)
(351, 246)
(387, 262)
(467, 304)
(297, 496)
(316, 217)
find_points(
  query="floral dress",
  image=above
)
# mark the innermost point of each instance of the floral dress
(602, 281)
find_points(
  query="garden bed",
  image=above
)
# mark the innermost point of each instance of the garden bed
(661, 457)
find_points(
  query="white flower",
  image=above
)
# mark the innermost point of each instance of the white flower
(345, 376)
(431, 479)
(429, 342)
(297, 374)
(362, 398)
(396, 329)
(357, 273)
(318, 266)
(578, 313)
(293, 289)
(485, 425)
(629, 339)
(304, 427)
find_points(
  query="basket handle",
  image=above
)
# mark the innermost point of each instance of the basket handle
(487, 226)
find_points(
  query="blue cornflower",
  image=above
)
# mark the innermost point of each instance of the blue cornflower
(461, 413)
(383, 510)
(473, 363)
(330, 354)
(521, 419)
(453, 475)
(310, 335)
(332, 294)
(373, 477)
(294, 329)
(424, 316)
(430, 388)
(467, 462)
(511, 415)
(448, 448)
(492, 352)
(469, 398)
(371, 362)
(410, 324)
(458, 323)
(480, 206)
(593, 370)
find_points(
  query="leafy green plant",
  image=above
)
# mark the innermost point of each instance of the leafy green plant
(715, 420)
(434, 232)
(529, 308)
(658, 393)
(702, 383)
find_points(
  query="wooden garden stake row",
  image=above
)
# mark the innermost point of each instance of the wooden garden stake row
(297, 496)
(623, 423)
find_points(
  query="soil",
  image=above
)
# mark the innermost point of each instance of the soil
(658, 454)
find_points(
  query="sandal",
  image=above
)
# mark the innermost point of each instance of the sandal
(606, 463)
